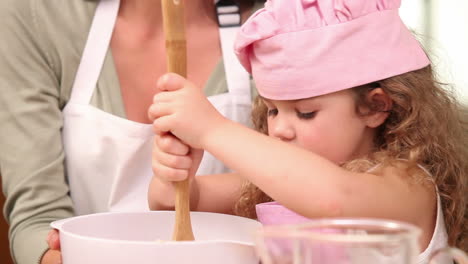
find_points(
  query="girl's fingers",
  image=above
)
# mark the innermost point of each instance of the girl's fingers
(162, 125)
(172, 161)
(169, 174)
(170, 82)
(196, 156)
(164, 97)
(170, 144)
(158, 110)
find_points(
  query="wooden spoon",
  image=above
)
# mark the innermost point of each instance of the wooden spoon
(176, 50)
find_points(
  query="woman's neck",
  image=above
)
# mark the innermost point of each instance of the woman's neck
(147, 13)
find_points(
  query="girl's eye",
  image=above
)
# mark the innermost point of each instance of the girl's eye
(308, 115)
(272, 112)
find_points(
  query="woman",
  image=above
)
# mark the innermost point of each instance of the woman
(77, 79)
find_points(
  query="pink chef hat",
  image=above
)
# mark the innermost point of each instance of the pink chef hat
(297, 49)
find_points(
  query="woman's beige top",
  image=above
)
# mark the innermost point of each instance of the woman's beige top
(40, 47)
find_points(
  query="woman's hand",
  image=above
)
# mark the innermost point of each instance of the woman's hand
(53, 255)
(182, 109)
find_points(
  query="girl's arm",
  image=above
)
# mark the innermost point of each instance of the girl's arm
(299, 179)
(312, 185)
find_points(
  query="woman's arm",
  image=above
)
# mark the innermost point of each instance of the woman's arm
(31, 152)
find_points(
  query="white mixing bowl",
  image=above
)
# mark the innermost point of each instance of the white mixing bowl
(145, 238)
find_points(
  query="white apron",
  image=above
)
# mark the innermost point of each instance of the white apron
(108, 158)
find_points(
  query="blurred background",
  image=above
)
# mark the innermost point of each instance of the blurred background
(442, 27)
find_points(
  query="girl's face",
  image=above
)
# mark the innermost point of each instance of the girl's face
(328, 125)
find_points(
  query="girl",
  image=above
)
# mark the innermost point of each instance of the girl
(357, 125)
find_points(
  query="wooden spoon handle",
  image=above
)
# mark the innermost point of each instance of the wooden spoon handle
(176, 50)
(174, 31)
(183, 226)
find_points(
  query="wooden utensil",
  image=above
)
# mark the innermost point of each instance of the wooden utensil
(176, 50)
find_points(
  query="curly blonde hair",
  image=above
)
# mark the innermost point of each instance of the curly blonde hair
(426, 126)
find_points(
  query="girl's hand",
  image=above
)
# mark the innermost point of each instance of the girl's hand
(53, 255)
(172, 161)
(182, 109)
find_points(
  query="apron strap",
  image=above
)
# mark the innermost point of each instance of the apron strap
(95, 51)
(229, 20)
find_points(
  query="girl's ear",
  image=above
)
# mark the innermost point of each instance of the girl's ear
(378, 107)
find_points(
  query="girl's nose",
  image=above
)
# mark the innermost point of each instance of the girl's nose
(282, 129)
